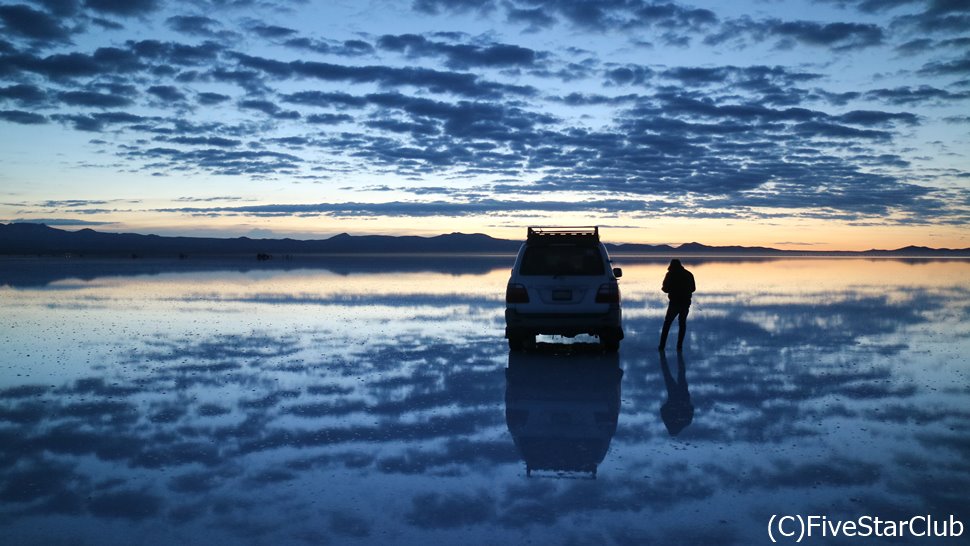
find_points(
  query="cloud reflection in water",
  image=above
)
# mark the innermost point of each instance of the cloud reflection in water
(380, 409)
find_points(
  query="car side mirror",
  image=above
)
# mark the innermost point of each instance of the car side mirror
(617, 272)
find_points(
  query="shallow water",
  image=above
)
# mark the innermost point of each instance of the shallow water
(376, 402)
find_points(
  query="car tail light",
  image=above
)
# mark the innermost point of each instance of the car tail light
(608, 293)
(516, 293)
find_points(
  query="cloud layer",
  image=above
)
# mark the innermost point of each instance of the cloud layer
(182, 93)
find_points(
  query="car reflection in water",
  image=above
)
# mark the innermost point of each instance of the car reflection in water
(677, 412)
(562, 403)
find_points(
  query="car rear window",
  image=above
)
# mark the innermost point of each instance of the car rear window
(562, 260)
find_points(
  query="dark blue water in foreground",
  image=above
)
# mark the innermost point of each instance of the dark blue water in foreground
(343, 404)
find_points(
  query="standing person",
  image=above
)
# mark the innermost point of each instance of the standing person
(679, 285)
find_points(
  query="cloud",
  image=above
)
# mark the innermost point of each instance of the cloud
(250, 80)
(495, 137)
(198, 25)
(328, 119)
(629, 75)
(99, 121)
(875, 117)
(839, 37)
(107, 24)
(941, 16)
(837, 131)
(271, 31)
(134, 57)
(176, 53)
(633, 158)
(73, 203)
(672, 136)
(22, 117)
(534, 18)
(94, 99)
(219, 142)
(26, 22)
(398, 126)
(123, 8)
(55, 67)
(873, 6)
(465, 120)
(208, 199)
(435, 7)
(956, 67)
(582, 99)
(957, 119)
(166, 93)
(458, 83)
(268, 108)
(419, 209)
(60, 222)
(24, 94)
(916, 47)
(460, 56)
(218, 160)
(325, 98)
(925, 16)
(61, 8)
(675, 24)
(347, 48)
(909, 95)
(209, 98)
(673, 18)
(773, 85)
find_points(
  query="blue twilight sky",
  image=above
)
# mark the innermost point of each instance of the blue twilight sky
(814, 124)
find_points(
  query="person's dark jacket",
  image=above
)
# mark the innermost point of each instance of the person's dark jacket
(679, 285)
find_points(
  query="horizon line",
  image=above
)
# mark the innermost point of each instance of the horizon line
(673, 246)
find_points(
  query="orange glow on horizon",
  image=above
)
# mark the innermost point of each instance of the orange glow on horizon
(797, 235)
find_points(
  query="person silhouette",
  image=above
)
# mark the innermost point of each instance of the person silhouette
(679, 285)
(678, 411)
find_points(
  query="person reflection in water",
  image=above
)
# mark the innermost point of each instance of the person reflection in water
(677, 412)
(679, 285)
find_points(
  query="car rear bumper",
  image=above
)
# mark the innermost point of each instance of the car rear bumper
(565, 324)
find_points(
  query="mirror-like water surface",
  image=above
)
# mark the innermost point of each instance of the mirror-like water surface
(350, 403)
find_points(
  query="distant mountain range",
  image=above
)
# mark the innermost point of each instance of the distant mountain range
(39, 239)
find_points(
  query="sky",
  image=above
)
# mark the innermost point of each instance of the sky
(812, 125)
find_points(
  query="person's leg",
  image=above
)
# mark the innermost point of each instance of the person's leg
(682, 326)
(668, 320)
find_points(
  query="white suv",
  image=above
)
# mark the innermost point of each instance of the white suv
(562, 284)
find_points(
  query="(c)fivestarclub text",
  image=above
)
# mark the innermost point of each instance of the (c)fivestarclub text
(796, 527)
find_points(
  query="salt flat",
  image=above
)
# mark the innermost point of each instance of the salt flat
(342, 404)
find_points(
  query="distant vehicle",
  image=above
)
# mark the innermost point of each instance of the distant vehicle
(562, 284)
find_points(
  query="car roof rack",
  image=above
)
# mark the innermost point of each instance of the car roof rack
(564, 234)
